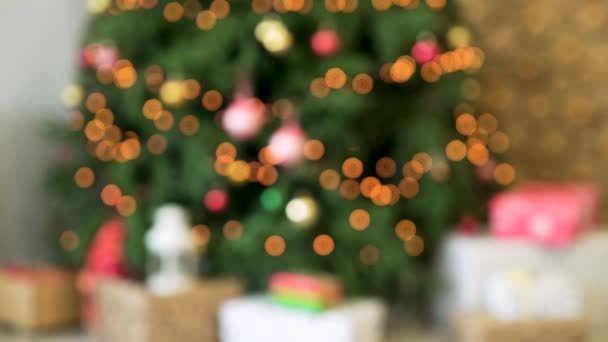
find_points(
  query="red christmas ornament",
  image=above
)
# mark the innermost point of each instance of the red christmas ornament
(287, 143)
(105, 259)
(425, 50)
(325, 43)
(244, 118)
(216, 200)
(469, 225)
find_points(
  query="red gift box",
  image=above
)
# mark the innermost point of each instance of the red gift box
(550, 214)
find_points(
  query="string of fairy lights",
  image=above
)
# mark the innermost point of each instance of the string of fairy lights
(242, 120)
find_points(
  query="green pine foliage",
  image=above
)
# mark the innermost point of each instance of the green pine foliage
(396, 120)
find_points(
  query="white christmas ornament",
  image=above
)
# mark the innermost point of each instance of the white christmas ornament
(302, 210)
(287, 144)
(274, 35)
(172, 252)
(244, 118)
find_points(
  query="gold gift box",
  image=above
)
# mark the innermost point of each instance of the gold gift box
(484, 328)
(129, 312)
(37, 298)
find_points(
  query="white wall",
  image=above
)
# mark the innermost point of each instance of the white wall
(38, 45)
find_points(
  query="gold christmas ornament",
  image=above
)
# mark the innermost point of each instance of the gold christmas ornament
(274, 36)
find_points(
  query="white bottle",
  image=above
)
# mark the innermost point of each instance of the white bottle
(172, 254)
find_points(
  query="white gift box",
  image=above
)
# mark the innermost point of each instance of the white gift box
(466, 264)
(257, 318)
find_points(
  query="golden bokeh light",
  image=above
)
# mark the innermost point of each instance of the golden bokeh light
(239, 171)
(113, 134)
(191, 88)
(206, 20)
(192, 8)
(157, 144)
(110, 194)
(201, 235)
(221, 8)
(147, 4)
(105, 116)
(431, 72)
(266, 156)
(130, 149)
(69, 240)
(405, 230)
(105, 150)
(95, 130)
(154, 76)
(359, 219)
(352, 167)
(173, 11)
(152, 109)
(386, 167)
(313, 149)
(504, 174)
(226, 149)
(95, 101)
(125, 75)
(425, 160)
(126, 206)
(363, 84)
(232, 230)
(487, 122)
(414, 246)
(189, 125)
(499, 142)
(478, 154)
(456, 150)
(441, 171)
(283, 108)
(212, 100)
(267, 175)
(368, 184)
(466, 124)
(335, 78)
(329, 179)
(381, 5)
(275, 245)
(84, 177)
(369, 255)
(165, 121)
(221, 165)
(349, 189)
(413, 169)
(381, 195)
(403, 69)
(261, 6)
(323, 245)
(409, 187)
(319, 88)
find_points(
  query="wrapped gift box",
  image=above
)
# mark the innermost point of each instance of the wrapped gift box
(550, 214)
(37, 298)
(466, 263)
(129, 312)
(259, 319)
(477, 327)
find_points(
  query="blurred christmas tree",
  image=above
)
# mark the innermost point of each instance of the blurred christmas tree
(322, 135)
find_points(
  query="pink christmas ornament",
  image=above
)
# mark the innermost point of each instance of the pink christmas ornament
(105, 57)
(425, 50)
(244, 118)
(216, 200)
(325, 43)
(287, 143)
